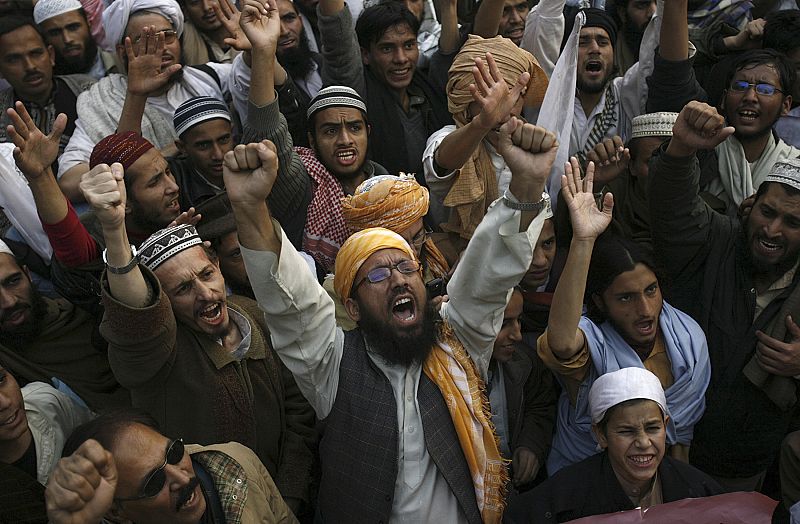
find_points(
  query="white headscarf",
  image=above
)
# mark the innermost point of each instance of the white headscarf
(625, 384)
(115, 17)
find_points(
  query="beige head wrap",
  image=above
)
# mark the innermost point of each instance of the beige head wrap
(475, 186)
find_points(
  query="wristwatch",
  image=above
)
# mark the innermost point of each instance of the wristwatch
(544, 203)
(127, 267)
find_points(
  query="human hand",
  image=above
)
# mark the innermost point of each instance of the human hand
(249, 172)
(698, 126)
(525, 465)
(491, 92)
(746, 206)
(750, 36)
(261, 22)
(34, 152)
(529, 151)
(611, 158)
(104, 190)
(145, 74)
(81, 488)
(190, 216)
(587, 221)
(229, 15)
(778, 357)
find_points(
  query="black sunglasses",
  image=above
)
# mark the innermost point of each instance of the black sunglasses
(155, 481)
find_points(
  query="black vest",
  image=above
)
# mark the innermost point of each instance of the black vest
(359, 448)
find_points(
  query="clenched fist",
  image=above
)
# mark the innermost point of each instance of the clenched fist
(104, 190)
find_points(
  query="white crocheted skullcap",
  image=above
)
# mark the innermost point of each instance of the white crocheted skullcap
(47, 9)
(786, 171)
(653, 124)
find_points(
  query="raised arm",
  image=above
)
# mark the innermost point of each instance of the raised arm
(341, 54)
(145, 77)
(34, 153)
(495, 101)
(679, 219)
(563, 336)
(544, 30)
(673, 44)
(449, 38)
(507, 236)
(487, 18)
(104, 190)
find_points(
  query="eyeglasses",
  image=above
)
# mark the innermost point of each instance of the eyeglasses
(169, 36)
(155, 481)
(740, 86)
(381, 273)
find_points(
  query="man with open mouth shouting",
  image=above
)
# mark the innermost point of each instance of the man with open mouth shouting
(408, 432)
(199, 362)
(121, 467)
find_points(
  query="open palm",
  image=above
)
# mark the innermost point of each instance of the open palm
(588, 222)
(261, 23)
(145, 74)
(35, 152)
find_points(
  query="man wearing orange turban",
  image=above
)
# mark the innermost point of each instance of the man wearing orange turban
(462, 166)
(408, 426)
(399, 204)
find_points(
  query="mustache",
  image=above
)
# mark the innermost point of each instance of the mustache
(7, 313)
(186, 492)
(32, 75)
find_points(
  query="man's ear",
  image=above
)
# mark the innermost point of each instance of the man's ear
(600, 436)
(365, 56)
(180, 145)
(311, 141)
(787, 105)
(351, 306)
(52, 52)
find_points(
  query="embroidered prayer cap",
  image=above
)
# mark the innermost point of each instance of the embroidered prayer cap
(5, 249)
(653, 124)
(393, 202)
(217, 217)
(622, 385)
(116, 16)
(47, 9)
(511, 61)
(599, 18)
(166, 243)
(125, 148)
(357, 249)
(197, 110)
(786, 171)
(335, 96)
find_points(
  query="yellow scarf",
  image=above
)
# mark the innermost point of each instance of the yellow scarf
(453, 371)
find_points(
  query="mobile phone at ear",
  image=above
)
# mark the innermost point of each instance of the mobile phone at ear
(436, 287)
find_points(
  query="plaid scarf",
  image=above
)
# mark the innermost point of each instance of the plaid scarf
(325, 229)
(735, 13)
(454, 373)
(602, 124)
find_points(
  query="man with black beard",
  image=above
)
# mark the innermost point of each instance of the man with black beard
(634, 15)
(65, 27)
(52, 341)
(121, 467)
(736, 277)
(394, 390)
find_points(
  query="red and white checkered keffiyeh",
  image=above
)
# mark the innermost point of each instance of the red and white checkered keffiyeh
(325, 229)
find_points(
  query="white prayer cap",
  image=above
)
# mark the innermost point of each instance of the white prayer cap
(116, 16)
(622, 385)
(653, 124)
(47, 9)
(5, 249)
(786, 171)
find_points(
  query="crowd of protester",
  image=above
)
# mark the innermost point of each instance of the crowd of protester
(398, 260)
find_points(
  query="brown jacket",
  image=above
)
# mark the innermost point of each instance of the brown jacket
(196, 389)
(262, 502)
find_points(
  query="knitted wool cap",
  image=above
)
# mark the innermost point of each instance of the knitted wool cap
(335, 96)
(599, 18)
(125, 148)
(787, 172)
(47, 9)
(166, 243)
(198, 110)
(653, 124)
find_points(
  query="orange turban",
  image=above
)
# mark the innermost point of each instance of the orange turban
(357, 249)
(393, 202)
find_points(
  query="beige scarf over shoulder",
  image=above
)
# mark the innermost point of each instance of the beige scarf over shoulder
(475, 185)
